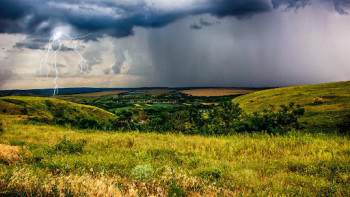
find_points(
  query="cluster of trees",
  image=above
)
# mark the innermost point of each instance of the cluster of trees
(224, 119)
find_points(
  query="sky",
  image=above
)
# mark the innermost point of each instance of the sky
(182, 43)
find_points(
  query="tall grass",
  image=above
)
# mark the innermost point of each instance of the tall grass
(295, 164)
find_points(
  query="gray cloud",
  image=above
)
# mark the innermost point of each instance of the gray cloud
(202, 23)
(275, 49)
(119, 63)
(5, 74)
(107, 71)
(195, 26)
(118, 18)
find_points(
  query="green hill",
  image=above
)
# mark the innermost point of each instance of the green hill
(52, 110)
(333, 114)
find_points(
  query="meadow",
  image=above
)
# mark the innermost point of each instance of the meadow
(47, 158)
(41, 160)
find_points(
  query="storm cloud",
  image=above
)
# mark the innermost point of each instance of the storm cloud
(118, 18)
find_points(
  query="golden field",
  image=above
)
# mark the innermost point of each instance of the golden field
(216, 92)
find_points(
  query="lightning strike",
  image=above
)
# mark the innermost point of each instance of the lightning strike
(57, 39)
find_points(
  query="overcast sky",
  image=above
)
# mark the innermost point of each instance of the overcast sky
(139, 43)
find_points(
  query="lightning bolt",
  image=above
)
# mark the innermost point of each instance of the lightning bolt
(57, 38)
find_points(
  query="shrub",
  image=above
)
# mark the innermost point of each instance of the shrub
(24, 110)
(281, 121)
(176, 191)
(142, 172)
(224, 118)
(317, 101)
(70, 147)
(88, 123)
(210, 174)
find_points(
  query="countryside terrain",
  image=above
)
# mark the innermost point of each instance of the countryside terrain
(170, 142)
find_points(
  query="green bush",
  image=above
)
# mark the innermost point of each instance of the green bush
(24, 110)
(281, 121)
(176, 191)
(142, 172)
(69, 147)
(210, 174)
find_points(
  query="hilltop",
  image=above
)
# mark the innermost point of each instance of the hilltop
(51, 110)
(330, 114)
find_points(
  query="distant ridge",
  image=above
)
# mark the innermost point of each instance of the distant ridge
(79, 90)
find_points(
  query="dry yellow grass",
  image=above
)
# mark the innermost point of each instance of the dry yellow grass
(210, 103)
(9, 154)
(31, 183)
(100, 93)
(216, 91)
(137, 105)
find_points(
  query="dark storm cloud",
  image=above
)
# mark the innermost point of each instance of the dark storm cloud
(9, 10)
(239, 8)
(117, 19)
(340, 6)
(290, 4)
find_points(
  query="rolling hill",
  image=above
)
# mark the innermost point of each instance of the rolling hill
(52, 110)
(330, 115)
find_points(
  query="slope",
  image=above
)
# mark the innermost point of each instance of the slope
(331, 115)
(52, 110)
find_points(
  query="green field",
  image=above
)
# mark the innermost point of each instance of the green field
(46, 159)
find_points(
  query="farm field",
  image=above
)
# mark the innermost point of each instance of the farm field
(216, 91)
(154, 91)
(103, 93)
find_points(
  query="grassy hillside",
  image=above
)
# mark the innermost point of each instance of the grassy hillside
(330, 116)
(44, 160)
(49, 110)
